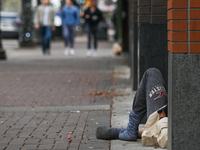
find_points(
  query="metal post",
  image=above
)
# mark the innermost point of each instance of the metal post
(118, 23)
(2, 51)
(27, 32)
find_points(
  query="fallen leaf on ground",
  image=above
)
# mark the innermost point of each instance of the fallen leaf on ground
(107, 93)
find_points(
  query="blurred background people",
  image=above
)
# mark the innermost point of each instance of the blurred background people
(70, 18)
(44, 21)
(92, 17)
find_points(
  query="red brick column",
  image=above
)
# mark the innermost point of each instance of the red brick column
(183, 74)
(194, 26)
(183, 26)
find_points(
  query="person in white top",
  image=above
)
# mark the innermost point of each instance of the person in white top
(44, 21)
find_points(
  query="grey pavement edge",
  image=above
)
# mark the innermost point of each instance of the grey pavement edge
(56, 108)
(120, 113)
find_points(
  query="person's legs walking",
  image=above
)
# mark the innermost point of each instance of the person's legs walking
(47, 39)
(42, 34)
(65, 37)
(94, 32)
(47, 46)
(71, 36)
(71, 39)
(89, 40)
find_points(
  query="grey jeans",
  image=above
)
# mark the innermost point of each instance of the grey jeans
(151, 94)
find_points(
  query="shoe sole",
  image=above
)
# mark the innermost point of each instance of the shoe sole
(102, 134)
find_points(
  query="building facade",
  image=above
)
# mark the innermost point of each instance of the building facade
(165, 34)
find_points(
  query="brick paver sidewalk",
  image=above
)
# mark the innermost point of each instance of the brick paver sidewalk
(44, 99)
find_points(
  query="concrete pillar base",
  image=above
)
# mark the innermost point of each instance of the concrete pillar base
(184, 101)
(152, 48)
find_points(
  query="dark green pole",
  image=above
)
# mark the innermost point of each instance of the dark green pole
(27, 32)
(2, 51)
(118, 22)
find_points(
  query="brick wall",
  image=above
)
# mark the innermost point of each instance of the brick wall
(152, 11)
(183, 26)
(131, 11)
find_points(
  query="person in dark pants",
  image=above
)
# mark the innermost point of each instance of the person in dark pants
(44, 21)
(150, 97)
(70, 18)
(92, 16)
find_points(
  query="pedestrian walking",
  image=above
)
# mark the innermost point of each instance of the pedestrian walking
(70, 18)
(92, 17)
(150, 99)
(44, 21)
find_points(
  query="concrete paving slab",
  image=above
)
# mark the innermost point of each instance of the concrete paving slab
(46, 98)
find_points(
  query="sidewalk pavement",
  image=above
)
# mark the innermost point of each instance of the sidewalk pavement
(44, 99)
(57, 48)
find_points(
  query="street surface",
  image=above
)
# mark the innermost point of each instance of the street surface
(44, 99)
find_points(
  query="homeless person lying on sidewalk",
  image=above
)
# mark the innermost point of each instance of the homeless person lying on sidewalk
(150, 99)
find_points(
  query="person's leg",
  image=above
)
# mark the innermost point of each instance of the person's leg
(72, 35)
(65, 34)
(108, 133)
(151, 79)
(95, 29)
(48, 39)
(151, 94)
(65, 37)
(131, 132)
(89, 40)
(71, 39)
(89, 37)
(95, 40)
(42, 34)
